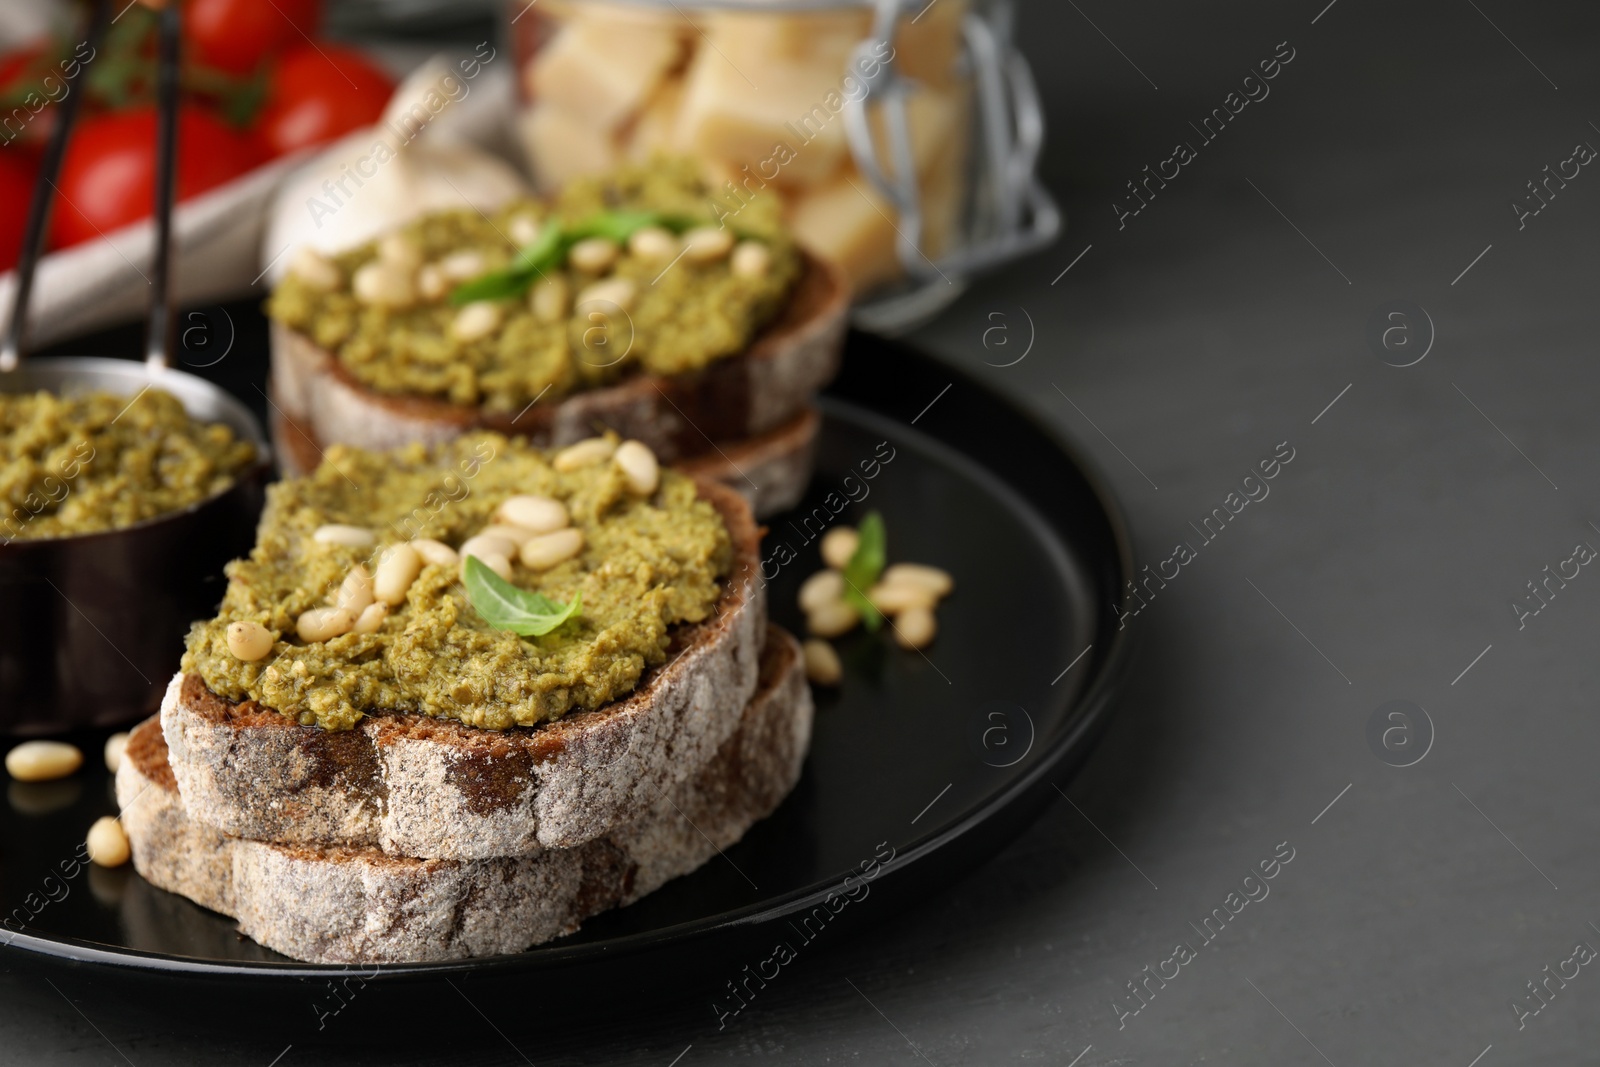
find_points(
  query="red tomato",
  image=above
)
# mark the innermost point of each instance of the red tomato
(320, 93)
(16, 192)
(108, 177)
(236, 35)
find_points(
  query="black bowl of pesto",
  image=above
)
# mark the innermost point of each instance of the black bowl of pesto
(124, 491)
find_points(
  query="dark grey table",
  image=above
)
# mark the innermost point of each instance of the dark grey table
(1226, 321)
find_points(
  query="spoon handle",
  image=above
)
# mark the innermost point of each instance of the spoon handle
(158, 347)
(44, 194)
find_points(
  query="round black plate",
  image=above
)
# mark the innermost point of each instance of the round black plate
(922, 764)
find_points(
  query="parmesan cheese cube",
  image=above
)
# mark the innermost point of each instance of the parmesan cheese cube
(793, 105)
(561, 148)
(600, 70)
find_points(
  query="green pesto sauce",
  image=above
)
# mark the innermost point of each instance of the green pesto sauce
(647, 566)
(683, 318)
(98, 461)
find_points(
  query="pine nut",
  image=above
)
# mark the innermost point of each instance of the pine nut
(654, 244)
(355, 592)
(431, 283)
(116, 748)
(892, 598)
(538, 514)
(823, 587)
(523, 230)
(915, 628)
(501, 565)
(639, 467)
(489, 545)
(323, 624)
(399, 251)
(584, 454)
(108, 842)
(507, 532)
(613, 292)
(382, 285)
(544, 552)
(338, 534)
(463, 265)
(707, 244)
(822, 663)
(40, 761)
(593, 255)
(838, 545)
(550, 299)
(833, 619)
(434, 552)
(370, 620)
(752, 260)
(249, 641)
(398, 567)
(935, 581)
(476, 321)
(315, 269)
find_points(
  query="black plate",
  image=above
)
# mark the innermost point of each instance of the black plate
(937, 759)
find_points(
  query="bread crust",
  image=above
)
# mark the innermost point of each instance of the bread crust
(679, 416)
(417, 786)
(360, 905)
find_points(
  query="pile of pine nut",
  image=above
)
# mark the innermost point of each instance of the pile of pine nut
(45, 761)
(907, 594)
(534, 530)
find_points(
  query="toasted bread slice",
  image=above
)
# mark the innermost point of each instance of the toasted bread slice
(436, 788)
(360, 905)
(770, 471)
(742, 396)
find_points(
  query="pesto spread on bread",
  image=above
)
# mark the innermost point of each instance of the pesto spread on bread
(634, 271)
(331, 545)
(98, 461)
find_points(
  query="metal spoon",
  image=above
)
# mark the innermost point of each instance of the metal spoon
(92, 625)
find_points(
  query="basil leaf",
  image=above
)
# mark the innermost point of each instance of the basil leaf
(497, 285)
(865, 565)
(617, 225)
(506, 607)
(548, 246)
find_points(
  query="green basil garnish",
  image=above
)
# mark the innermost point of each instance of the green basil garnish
(864, 568)
(506, 607)
(549, 250)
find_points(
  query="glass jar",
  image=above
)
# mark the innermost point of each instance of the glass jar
(901, 135)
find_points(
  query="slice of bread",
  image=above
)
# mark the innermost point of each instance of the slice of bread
(738, 397)
(770, 471)
(360, 905)
(437, 788)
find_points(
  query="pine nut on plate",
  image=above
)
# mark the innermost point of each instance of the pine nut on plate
(823, 587)
(108, 842)
(42, 761)
(915, 628)
(833, 619)
(838, 545)
(116, 746)
(822, 663)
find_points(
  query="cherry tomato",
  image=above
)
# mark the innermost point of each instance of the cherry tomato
(108, 176)
(236, 35)
(17, 170)
(320, 93)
